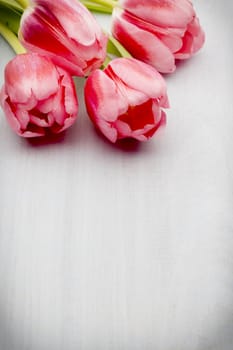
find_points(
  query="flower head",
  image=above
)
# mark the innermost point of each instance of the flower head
(158, 31)
(38, 97)
(125, 100)
(66, 32)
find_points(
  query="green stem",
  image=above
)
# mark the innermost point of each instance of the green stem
(12, 39)
(23, 3)
(12, 5)
(94, 5)
(10, 18)
(115, 48)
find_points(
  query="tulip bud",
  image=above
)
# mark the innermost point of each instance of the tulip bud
(66, 32)
(158, 31)
(125, 100)
(37, 96)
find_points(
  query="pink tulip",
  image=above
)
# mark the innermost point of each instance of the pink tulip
(37, 96)
(158, 31)
(125, 100)
(65, 31)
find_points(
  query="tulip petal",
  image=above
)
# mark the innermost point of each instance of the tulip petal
(46, 95)
(108, 130)
(66, 32)
(122, 128)
(193, 40)
(24, 75)
(134, 39)
(70, 98)
(165, 13)
(99, 87)
(77, 22)
(140, 115)
(132, 71)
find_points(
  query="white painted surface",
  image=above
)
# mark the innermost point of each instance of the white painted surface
(103, 248)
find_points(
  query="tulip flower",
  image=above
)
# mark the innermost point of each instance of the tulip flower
(66, 32)
(37, 96)
(125, 99)
(158, 31)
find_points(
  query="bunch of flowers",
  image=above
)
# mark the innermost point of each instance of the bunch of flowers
(125, 93)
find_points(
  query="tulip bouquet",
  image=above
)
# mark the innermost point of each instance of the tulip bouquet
(125, 93)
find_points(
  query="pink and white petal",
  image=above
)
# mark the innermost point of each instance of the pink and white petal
(133, 96)
(39, 121)
(74, 18)
(49, 40)
(30, 73)
(11, 118)
(138, 135)
(132, 71)
(193, 40)
(198, 34)
(22, 117)
(164, 101)
(103, 100)
(143, 45)
(173, 42)
(58, 111)
(45, 106)
(152, 27)
(68, 122)
(122, 128)
(108, 130)
(167, 13)
(70, 96)
(37, 132)
(186, 51)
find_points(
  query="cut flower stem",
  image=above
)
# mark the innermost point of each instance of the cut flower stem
(95, 5)
(12, 39)
(23, 3)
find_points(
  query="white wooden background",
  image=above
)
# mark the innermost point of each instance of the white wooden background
(109, 248)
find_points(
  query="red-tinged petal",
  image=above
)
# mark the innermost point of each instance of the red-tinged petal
(33, 131)
(193, 40)
(164, 102)
(78, 23)
(173, 42)
(131, 72)
(70, 97)
(139, 116)
(167, 13)
(65, 31)
(49, 40)
(108, 130)
(142, 118)
(152, 27)
(27, 74)
(198, 34)
(45, 106)
(143, 45)
(101, 94)
(68, 122)
(35, 116)
(11, 118)
(22, 117)
(123, 129)
(58, 111)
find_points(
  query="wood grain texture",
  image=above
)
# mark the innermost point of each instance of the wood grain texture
(125, 248)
